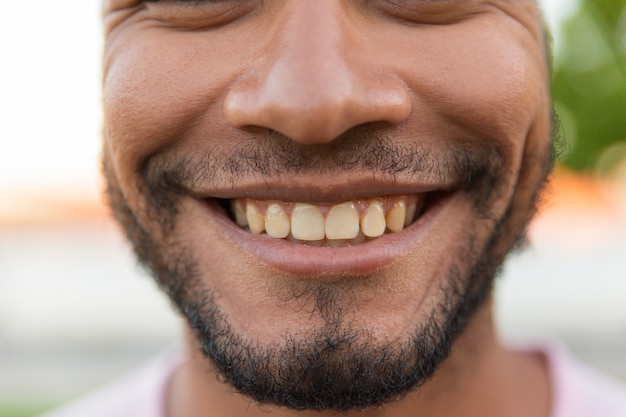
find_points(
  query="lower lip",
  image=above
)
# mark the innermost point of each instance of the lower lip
(302, 260)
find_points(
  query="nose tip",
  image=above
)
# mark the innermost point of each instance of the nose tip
(315, 79)
(312, 107)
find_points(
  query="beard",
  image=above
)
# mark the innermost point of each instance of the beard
(333, 366)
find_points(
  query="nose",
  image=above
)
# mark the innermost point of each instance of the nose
(315, 81)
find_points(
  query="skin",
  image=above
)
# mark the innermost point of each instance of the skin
(309, 80)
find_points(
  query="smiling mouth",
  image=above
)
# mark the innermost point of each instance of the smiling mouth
(345, 224)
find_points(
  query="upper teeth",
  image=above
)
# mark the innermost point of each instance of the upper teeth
(350, 222)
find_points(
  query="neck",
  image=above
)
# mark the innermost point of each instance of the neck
(480, 378)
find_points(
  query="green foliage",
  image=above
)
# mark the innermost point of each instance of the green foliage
(589, 85)
(22, 410)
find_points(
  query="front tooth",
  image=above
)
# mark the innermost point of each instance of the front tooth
(342, 222)
(410, 214)
(240, 215)
(276, 221)
(373, 223)
(395, 217)
(255, 220)
(307, 222)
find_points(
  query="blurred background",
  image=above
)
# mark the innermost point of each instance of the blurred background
(76, 311)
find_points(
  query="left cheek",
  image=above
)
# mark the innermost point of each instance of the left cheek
(498, 91)
(485, 75)
(503, 97)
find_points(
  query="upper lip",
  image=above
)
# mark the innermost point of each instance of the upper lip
(320, 189)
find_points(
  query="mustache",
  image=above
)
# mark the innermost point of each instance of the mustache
(272, 156)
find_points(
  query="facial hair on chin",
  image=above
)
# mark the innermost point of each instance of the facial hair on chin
(331, 367)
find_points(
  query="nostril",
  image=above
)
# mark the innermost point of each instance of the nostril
(311, 103)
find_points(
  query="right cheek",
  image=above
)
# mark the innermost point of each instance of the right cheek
(155, 91)
(139, 110)
(131, 130)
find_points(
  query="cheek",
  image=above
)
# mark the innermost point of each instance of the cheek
(481, 75)
(159, 87)
(491, 83)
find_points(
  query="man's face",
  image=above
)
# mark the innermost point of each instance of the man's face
(387, 154)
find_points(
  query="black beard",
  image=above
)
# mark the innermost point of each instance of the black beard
(334, 367)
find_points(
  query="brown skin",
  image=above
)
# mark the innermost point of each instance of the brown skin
(182, 80)
(488, 382)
